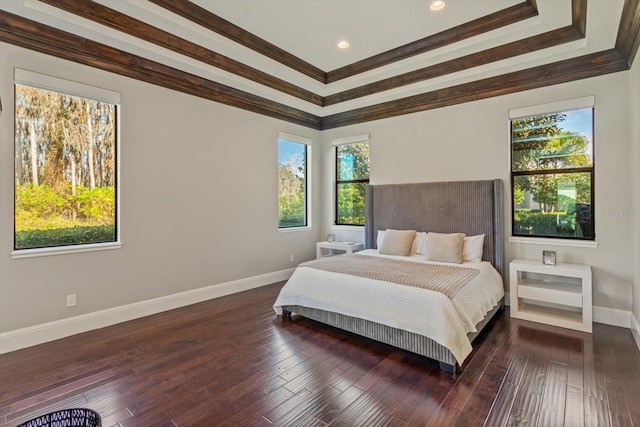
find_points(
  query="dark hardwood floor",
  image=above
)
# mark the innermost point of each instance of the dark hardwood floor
(232, 362)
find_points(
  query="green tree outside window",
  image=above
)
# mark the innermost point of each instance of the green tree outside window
(352, 177)
(552, 175)
(292, 184)
(65, 169)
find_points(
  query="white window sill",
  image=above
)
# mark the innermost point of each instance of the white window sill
(294, 229)
(61, 250)
(554, 242)
(348, 227)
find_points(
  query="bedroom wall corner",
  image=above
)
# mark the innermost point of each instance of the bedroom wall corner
(342, 233)
(634, 112)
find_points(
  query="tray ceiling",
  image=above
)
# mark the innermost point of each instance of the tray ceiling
(280, 57)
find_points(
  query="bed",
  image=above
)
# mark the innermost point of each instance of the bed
(424, 321)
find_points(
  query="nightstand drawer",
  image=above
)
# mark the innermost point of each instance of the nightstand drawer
(555, 293)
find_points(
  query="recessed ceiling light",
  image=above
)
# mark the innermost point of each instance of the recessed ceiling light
(343, 44)
(437, 5)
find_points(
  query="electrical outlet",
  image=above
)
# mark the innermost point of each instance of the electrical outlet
(71, 300)
(291, 258)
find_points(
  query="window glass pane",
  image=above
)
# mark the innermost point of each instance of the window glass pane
(353, 161)
(557, 205)
(292, 169)
(352, 177)
(553, 141)
(65, 169)
(351, 203)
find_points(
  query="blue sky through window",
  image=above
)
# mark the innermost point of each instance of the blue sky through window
(578, 121)
(291, 154)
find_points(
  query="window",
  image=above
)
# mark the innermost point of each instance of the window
(352, 177)
(65, 163)
(552, 172)
(293, 158)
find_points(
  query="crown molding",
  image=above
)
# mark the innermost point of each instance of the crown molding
(493, 21)
(213, 22)
(119, 21)
(42, 38)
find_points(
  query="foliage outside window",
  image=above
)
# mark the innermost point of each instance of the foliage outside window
(65, 169)
(352, 178)
(292, 184)
(552, 175)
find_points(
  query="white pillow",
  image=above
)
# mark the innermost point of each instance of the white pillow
(397, 242)
(419, 245)
(380, 238)
(472, 248)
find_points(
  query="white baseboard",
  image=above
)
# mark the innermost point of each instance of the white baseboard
(608, 316)
(612, 316)
(38, 334)
(635, 330)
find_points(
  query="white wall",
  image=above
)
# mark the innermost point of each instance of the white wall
(634, 114)
(198, 191)
(199, 202)
(471, 141)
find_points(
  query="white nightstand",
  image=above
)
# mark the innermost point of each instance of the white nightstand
(346, 247)
(558, 295)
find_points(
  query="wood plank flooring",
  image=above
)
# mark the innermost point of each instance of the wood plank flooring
(232, 362)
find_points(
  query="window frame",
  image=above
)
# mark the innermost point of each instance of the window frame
(350, 140)
(297, 139)
(587, 102)
(57, 84)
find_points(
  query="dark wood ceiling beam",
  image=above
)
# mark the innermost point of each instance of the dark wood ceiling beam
(32, 35)
(586, 66)
(464, 31)
(628, 39)
(39, 37)
(114, 19)
(539, 42)
(213, 22)
(111, 18)
(579, 16)
(499, 53)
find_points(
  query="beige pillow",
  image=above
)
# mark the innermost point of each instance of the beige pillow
(445, 247)
(397, 242)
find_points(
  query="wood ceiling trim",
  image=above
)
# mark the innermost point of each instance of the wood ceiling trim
(39, 37)
(126, 24)
(464, 31)
(586, 66)
(499, 53)
(213, 22)
(35, 36)
(579, 16)
(114, 19)
(628, 39)
(552, 38)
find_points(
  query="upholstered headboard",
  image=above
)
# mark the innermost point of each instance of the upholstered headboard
(470, 207)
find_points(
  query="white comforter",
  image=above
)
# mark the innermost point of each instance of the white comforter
(421, 311)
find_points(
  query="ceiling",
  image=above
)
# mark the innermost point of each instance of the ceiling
(280, 57)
